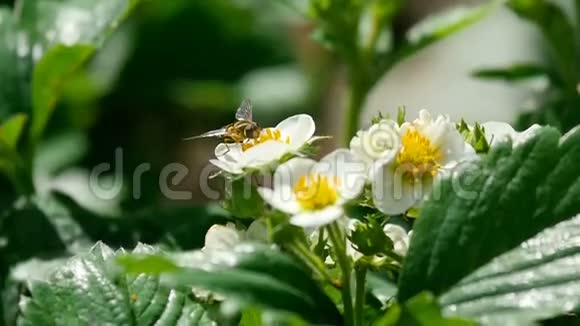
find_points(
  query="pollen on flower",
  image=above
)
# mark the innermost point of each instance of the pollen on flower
(265, 135)
(315, 191)
(418, 157)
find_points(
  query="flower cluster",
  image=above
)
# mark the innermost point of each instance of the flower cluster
(387, 172)
(351, 211)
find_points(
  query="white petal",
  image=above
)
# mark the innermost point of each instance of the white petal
(400, 248)
(378, 141)
(399, 237)
(226, 166)
(288, 173)
(299, 128)
(496, 131)
(277, 199)
(393, 193)
(454, 148)
(318, 218)
(425, 116)
(395, 232)
(356, 147)
(220, 237)
(264, 153)
(441, 134)
(228, 152)
(348, 168)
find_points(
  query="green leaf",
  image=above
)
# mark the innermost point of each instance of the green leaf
(14, 91)
(11, 129)
(242, 198)
(251, 317)
(557, 30)
(260, 277)
(537, 280)
(11, 163)
(401, 115)
(88, 289)
(513, 73)
(380, 287)
(50, 73)
(488, 207)
(26, 233)
(436, 28)
(421, 310)
(32, 32)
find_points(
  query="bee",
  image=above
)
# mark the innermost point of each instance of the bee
(240, 131)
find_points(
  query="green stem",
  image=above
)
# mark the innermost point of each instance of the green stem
(311, 260)
(359, 303)
(338, 242)
(357, 95)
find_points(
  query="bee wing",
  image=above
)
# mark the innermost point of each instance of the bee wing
(213, 133)
(244, 112)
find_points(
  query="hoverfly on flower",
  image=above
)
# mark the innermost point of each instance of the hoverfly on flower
(243, 129)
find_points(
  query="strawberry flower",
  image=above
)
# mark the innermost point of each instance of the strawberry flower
(428, 147)
(270, 146)
(313, 193)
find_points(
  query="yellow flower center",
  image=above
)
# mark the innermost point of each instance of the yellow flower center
(418, 156)
(315, 191)
(265, 135)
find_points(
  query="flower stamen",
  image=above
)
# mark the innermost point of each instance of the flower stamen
(418, 157)
(316, 191)
(265, 135)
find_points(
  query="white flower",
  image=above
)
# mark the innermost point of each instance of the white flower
(378, 141)
(273, 143)
(428, 146)
(314, 192)
(399, 237)
(225, 237)
(495, 132)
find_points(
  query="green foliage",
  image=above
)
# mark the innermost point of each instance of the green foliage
(55, 224)
(501, 201)
(370, 239)
(45, 25)
(514, 73)
(557, 31)
(421, 310)
(537, 280)
(11, 130)
(381, 288)
(474, 136)
(50, 74)
(250, 275)
(11, 163)
(361, 33)
(559, 100)
(242, 198)
(89, 289)
(436, 28)
(401, 115)
(39, 54)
